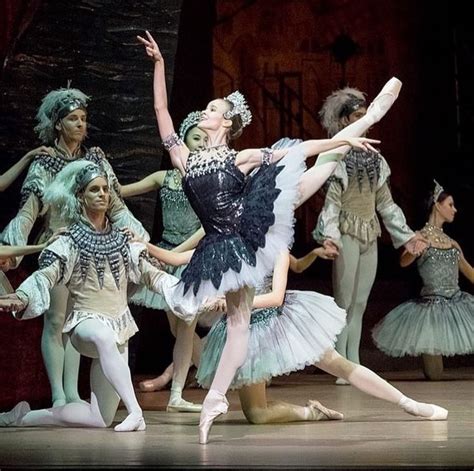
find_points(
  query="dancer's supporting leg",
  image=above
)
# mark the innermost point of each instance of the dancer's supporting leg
(110, 381)
(60, 358)
(182, 354)
(239, 304)
(369, 382)
(258, 410)
(353, 277)
(162, 380)
(115, 367)
(433, 367)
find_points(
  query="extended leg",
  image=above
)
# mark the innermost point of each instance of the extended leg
(314, 177)
(367, 381)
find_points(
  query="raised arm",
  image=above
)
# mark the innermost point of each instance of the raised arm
(175, 146)
(149, 183)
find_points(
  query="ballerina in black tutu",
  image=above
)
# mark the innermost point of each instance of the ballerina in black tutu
(248, 220)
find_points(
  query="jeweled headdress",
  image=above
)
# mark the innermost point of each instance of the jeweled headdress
(438, 189)
(339, 104)
(62, 193)
(189, 122)
(55, 106)
(87, 174)
(240, 108)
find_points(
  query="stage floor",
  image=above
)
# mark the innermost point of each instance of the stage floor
(374, 434)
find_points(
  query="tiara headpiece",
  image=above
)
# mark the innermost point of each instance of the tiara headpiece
(438, 189)
(189, 122)
(240, 108)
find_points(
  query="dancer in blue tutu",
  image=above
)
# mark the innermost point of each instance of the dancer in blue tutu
(248, 220)
(290, 330)
(181, 227)
(441, 321)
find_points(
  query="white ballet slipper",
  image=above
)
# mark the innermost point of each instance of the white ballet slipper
(133, 423)
(419, 409)
(13, 418)
(182, 405)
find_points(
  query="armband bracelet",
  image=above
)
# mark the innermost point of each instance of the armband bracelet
(171, 141)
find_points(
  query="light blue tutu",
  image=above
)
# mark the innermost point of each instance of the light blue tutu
(281, 340)
(433, 325)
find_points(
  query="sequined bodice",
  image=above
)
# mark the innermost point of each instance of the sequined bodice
(179, 219)
(439, 270)
(214, 187)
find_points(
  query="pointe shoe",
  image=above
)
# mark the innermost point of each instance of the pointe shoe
(414, 408)
(183, 406)
(214, 405)
(342, 382)
(155, 384)
(133, 423)
(13, 417)
(384, 100)
(320, 412)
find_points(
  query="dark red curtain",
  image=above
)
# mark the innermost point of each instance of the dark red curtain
(15, 16)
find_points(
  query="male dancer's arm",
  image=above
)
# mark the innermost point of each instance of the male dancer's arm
(392, 215)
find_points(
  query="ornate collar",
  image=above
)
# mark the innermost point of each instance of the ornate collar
(110, 246)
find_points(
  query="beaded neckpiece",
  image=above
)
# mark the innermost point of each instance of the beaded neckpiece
(359, 163)
(209, 160)
(436, 235)
(111, 247)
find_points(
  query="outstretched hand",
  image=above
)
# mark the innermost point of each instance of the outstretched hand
(11, 302)
(151, 47)
(363, 143)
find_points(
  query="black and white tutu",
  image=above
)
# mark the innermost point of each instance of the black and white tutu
(248, 220)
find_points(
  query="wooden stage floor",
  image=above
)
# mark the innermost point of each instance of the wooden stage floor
(373, 435)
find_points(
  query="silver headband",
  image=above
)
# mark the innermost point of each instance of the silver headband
(87, 174)
(67, 105)
(240, 108)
